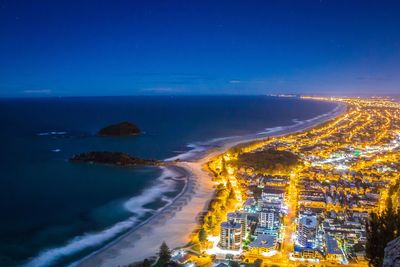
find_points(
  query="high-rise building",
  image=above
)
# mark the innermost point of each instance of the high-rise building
(269, 218)
(231, 235)
(239, 217)
(307, 231)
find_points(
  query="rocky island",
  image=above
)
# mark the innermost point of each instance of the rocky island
(113, 158)
(120, 129)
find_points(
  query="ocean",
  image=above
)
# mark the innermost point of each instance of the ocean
(55, 212)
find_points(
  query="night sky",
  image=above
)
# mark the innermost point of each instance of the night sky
(74, 48)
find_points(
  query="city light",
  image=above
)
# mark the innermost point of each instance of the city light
(315, 212)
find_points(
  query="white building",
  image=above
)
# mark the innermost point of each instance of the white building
(307, 231)
(269, 218)
(231, 235)
(239, 217)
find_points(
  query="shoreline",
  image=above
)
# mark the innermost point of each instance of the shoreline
(176, 222)
(222, 144)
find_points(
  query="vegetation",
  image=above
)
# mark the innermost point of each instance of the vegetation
(234, 264)
(164, 254)
(258, 263)
(394, 194)
(146, 263)
(268, 161)
(218, 208)
(202, 235)
(381, 229)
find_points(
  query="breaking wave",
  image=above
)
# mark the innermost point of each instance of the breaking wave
(165, 183)
(198, 148)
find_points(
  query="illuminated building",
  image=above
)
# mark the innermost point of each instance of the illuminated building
(273, 194)
(239, 217)
(269, 218)
(250, 205)
(307, 231)
(231, 235)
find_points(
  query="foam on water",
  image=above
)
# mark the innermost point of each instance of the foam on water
(299, 122)
(51, 256)
(161, 186)
(198, 148)
(51, 133)
(165, 183)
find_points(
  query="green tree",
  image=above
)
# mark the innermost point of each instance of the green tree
(258, 263)
(202, 235)
(231, 199)
(229, 257)
(223, 163)
(210, 222)
(381, 229)
(374, 244)
(232, 195)
(146, 263)
(164, 254)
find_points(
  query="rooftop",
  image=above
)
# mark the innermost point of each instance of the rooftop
(263, 241)
(332, 245)
(309, 221)
(231, 225)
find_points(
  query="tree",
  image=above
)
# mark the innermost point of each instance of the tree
(258, 263)
(381, 229)
(210, 222)
(373, 245)
(202, 235)
(146, 263)
(231, 199)
(229, 256)
(164, 254)
(232, 195)
(223, 163)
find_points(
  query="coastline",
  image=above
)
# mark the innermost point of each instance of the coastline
(176, 222)
(220, 145)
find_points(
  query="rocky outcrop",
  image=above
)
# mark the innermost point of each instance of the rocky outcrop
(120, 129)
(392, 254)
(113, 158)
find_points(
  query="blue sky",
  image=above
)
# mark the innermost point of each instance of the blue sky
(73, 48)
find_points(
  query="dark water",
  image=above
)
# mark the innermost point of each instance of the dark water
(54, 212)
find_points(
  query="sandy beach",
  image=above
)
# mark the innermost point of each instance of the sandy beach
(177, 221)
(174, 223)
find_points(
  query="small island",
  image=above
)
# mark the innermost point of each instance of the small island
(113, 158)
(120, 129)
